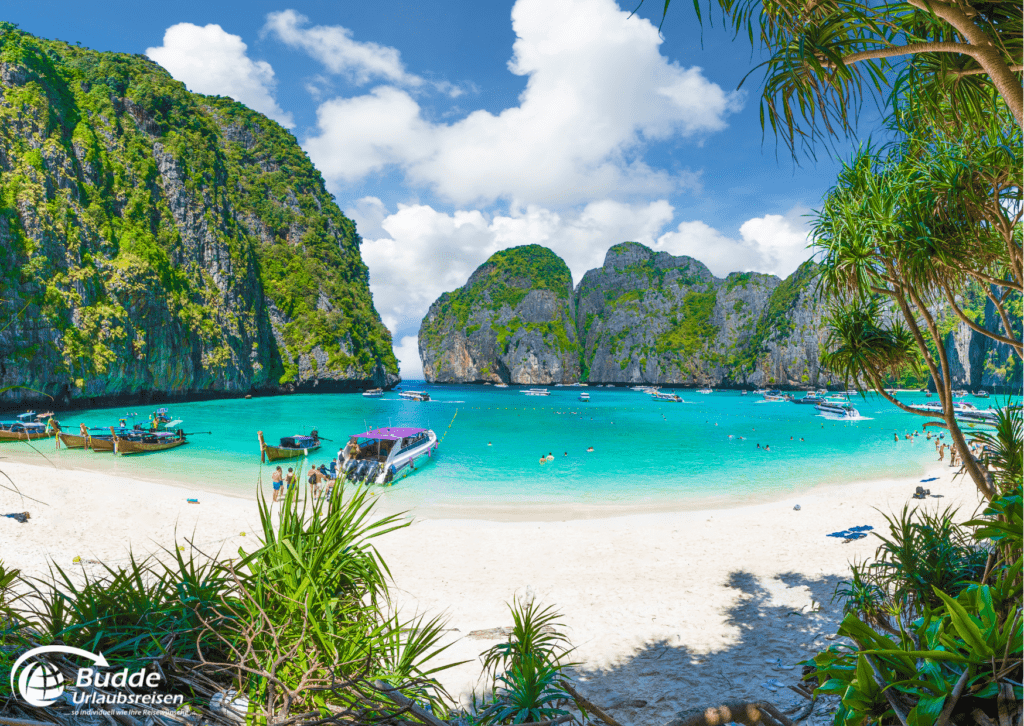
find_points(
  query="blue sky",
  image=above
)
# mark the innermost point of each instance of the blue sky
(451, 130)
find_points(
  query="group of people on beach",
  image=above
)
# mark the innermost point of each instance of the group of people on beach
(316, 477)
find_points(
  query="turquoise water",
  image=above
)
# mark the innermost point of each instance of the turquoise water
(646, 453)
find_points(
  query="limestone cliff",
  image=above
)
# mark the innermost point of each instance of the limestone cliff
(514, 321)
(155, 242)
(647, 317)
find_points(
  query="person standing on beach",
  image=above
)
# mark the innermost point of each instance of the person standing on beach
(942, 451)
(291, 479)
(313, 478)
(278, 478)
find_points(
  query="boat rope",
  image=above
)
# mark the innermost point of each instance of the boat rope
(449, 428)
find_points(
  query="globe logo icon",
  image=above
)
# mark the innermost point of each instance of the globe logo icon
(41, 684)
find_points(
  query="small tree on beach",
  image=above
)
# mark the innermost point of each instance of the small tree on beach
(905, 231)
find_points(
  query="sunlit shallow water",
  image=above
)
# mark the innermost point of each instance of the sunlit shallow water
(712, 450)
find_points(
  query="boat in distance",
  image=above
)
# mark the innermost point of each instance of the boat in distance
(373, 393)
(378, 456)
(809, 399)
(670, 397)
(705, 390)
(537, 392)
(414, 395)
(291, 447)
(585, 397)
(27, 426)
(837, 408)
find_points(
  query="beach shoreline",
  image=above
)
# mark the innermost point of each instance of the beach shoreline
(668, 609)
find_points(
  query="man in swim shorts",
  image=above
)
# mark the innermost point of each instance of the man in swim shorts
(278, 478)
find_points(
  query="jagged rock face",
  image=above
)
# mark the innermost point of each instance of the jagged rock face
(977, 361)
(158, 242)
(512, 322)
(649, 317)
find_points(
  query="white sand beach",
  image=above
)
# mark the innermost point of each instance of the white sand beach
(668, 610)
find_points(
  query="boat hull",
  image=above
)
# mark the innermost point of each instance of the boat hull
(127, 446)
(97, 443)
(23, 436)
(404, 463)
(278, 453)
(72, 441)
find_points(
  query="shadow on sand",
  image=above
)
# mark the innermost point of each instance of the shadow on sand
(771, 636)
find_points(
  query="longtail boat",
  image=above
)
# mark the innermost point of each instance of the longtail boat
(101, 442)
(143, 442)
(71, 441)
(29, 426)
(292, 447)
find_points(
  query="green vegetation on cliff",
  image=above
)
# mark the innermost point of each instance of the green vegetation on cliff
(776, 322)
(691, 327)
(155, 238)
(486, 329)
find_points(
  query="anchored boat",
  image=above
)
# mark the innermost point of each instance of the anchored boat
(537, 392)
(291, 447)
(810, 399)
(837, 408)
(705, 390)
(28, 426)
(144, 442)
(379, 456)
(414, 395)
(71, 441)
(585, 397)
(373, 393)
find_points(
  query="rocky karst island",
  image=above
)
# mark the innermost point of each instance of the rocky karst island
(647, 317)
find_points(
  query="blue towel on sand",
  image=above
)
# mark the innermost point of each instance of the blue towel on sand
(931, 479)
(852, 532)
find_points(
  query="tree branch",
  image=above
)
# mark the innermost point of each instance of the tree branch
(1006, 321)
(910, 49)
(973, 325)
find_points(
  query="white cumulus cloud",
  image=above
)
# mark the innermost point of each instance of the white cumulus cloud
(773, 243)
(598, 90)
(409, 364)
(334, 46)
(211, 61)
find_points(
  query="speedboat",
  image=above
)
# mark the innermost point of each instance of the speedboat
(383, 455)
(981, 394)
(585, 397)
(414, 395)
(759, 391)
(837, 408)
(537, 392)
(671, 397)
(776, 395)
(810, 399)
(501, 385)
(705, 390)
(27, 426)
(373, 393)
(961, 409)
(743, 392)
